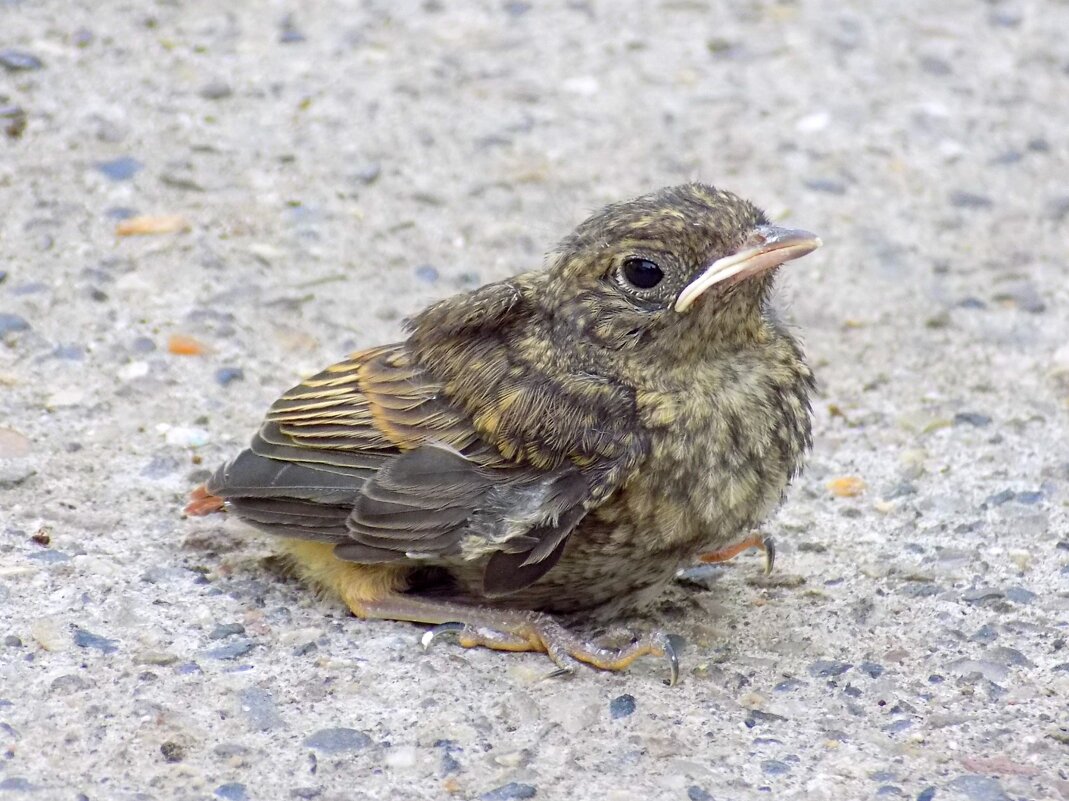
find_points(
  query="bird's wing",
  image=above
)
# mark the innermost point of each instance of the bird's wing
(371, 455)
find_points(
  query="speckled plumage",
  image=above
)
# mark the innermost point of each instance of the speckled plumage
(560, 441)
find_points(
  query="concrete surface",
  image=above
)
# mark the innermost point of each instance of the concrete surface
(340, 165)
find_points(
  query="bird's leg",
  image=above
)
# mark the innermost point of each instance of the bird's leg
(755, 540)
(512, 630)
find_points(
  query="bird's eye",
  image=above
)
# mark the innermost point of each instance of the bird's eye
(642, 273)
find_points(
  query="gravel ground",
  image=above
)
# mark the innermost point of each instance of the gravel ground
(338, 167)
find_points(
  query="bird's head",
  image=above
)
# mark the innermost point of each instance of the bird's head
(687, 267)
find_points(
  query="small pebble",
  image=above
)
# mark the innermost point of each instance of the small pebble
(871, 669)
(368, 174)
(215, 90)
(696, 793)
(121, 169)
(224, 630)
(927, 794)
(12, 323)
(427, 273)
(509, 792)
(232, 791)
(1019, 595)
(970, 200)
(773, 767)
(86, 639)
(336, 741)
(259, 708)
(827, 668)
(225, 376)
(13, 119)
(826, 185)
(17, 784)
(982, 595)
(972, 418)
(999, 498)
(231, 651)
(288, 32)
(622, 706)
(979, 788)
(14, 60)
(172, 751)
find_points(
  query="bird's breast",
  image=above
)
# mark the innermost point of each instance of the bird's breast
(724, 445)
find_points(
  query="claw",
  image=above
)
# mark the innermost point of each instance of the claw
(429, 636)
(558, 673)
(769, 546)
(673, 662)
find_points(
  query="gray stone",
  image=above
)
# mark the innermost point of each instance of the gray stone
(87, 639)
(621, 706)
(827, 668)
(979, 788)
(12, 323)
(336, 741)
(260, 709)
(513, 791)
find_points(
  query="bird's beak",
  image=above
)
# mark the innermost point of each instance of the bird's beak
(768, 247)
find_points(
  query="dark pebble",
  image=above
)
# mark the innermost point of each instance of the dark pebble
(449, 765)
(871, 669)
(260, 709)
(368, 174)
(935, 66)
(696, 793)
(224, 630)
(336, 741)
(510, 791)
(901, 490)
(172, 751)
(13, 119)
(898, 726)
(773, 767)
(86, 639)
(143, 345)
(1010, 657)
(982, 595)
(970, 200)
(971, 303)
(999, 498)
(1029, 497)
(49, 557)
(67, 684)
(1019, 595)
(12, 323)
(985, 634)
(215, 90)
(232, 651)
(17, 784)
(188, 669)
(12, 641)
(826, 185)
(972, 419)
(979, 788)
(306, 792)
(889, 791)
(120, 213)
(927, 794)
(621, 706)
(72, 353)
(232, 791)
(756, 716)
(828, 668)
(919, 590)
(121, 169)
(935, 678)
(427, 273)
(14, 60)
(226, 376)
(288, 32)
(852, 691)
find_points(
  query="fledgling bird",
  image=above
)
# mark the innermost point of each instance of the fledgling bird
(558, 442)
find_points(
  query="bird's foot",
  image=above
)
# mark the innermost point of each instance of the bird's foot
(755, 540)
(538, 632)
